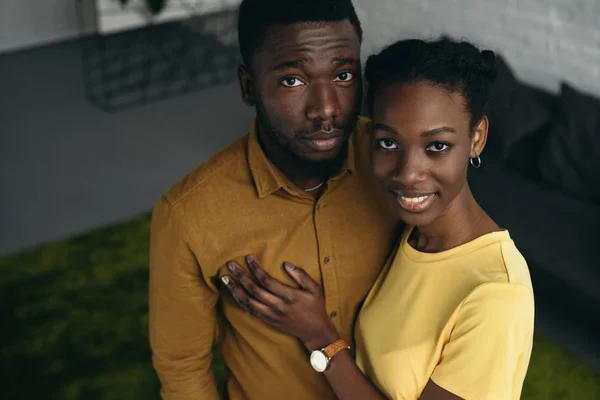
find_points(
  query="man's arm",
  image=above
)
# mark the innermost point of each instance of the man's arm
(182, 311)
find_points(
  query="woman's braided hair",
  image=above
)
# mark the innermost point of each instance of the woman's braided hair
(455, 66)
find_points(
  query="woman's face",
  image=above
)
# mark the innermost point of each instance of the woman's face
(422, 146)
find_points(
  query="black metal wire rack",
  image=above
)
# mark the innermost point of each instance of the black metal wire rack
(158, 61)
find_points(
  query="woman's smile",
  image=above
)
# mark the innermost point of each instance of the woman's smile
(414, 203)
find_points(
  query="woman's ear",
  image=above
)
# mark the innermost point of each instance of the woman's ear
(246, 85)
(479, 137)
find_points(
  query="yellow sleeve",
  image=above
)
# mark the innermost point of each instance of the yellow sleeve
(490, 346)
(182, 311)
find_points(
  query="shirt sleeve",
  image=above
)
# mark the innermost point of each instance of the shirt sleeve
(490, 346)
(182, 311)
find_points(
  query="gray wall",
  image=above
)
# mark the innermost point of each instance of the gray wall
(25, 23)
(545, 41)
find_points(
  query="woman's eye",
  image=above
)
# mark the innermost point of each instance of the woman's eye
(387, 144)
(291, 82)
(437, 147)
(344, 77)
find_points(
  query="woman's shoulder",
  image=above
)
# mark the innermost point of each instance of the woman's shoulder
(494, 262)
(503, 257)
(502, 303)
(511, 285)
(517, 270)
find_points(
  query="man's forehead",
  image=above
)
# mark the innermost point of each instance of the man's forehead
(302, 32)
(338, 39)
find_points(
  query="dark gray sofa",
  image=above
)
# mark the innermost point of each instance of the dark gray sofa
(540, 179)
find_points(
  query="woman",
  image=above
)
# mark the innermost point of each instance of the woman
(451, 316)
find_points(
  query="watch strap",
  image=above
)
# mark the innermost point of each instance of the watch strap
(335, 347)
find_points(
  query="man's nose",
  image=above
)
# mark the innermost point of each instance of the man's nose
(323, 102)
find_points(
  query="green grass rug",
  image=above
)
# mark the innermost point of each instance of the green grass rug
(74, 319)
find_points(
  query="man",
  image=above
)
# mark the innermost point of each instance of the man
(298, 187)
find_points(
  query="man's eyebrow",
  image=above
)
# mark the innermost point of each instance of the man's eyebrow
(345, 60)
(437, 131)
(298, 63)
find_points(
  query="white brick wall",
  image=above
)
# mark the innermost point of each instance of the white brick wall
(545, 41)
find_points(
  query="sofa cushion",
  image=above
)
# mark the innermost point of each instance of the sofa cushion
(515, 114)
(569, 158)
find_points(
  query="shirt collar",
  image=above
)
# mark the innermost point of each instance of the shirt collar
(267, 177)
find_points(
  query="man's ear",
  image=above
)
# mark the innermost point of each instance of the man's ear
(246, 85)
(479, 137)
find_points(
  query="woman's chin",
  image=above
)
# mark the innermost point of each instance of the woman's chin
(416, 219)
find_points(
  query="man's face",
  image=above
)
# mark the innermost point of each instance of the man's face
(306, 85)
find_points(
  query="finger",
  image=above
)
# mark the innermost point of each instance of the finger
(302, 278)
(237, 292)
(264, 312)
(254, 290)
(249, 304)
(238, 272)
(281, 290)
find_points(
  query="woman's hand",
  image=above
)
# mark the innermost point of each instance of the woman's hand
(296, 312)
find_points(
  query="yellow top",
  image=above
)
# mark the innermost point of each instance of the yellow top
(462, 317)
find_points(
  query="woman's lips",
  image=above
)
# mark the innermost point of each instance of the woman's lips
(414, 203)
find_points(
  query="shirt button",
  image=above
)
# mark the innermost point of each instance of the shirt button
(318, 206)
(327, 260)
(333, 314)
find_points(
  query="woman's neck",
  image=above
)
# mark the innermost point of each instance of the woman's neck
(463, 221)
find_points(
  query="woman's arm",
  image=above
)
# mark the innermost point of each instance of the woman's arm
(299, 312)
(348, 381)
(302, 313)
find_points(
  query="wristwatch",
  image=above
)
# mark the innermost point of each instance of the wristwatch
(319, 359)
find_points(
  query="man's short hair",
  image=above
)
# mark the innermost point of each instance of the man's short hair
(255, 15)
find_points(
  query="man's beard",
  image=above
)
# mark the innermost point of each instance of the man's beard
(307, 165)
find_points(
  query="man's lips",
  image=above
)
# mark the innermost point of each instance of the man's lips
(324, 134)
(324, 141)
(415, 202)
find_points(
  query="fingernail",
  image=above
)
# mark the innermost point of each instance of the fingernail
(231, 266)
(289, 266)
(250, 261)
(225, 280)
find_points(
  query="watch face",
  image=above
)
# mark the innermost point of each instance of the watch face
(318, 360)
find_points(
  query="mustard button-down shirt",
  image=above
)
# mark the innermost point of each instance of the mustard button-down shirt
(239, 203)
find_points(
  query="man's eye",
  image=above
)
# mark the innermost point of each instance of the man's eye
(387, 144)
(437, 147)
(344, 77)
(291, 82)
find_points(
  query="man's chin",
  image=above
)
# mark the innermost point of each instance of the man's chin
(324, 157)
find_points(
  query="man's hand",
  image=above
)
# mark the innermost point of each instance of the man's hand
(296, 312)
